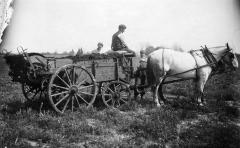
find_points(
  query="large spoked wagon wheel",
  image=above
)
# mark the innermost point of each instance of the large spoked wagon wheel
(116, 94)
(71, 87)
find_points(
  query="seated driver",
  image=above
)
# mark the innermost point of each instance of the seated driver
(118, 41)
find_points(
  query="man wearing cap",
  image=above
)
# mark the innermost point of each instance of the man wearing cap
(118, 41)
(99, 48)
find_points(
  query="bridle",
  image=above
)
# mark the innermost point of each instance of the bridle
(222, 61)
(227, 62)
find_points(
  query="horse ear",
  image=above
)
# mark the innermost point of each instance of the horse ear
(227, 46)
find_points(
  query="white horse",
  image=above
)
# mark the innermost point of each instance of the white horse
(165, 62)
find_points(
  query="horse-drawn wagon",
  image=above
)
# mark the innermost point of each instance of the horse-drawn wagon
(71, 82)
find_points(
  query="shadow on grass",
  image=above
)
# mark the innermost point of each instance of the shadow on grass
(211, 134)
(98, 103)
(217, 128)
(37, 105)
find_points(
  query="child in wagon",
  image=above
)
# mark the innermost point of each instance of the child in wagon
(99, 48)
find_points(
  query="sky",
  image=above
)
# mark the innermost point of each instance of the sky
(63, 25)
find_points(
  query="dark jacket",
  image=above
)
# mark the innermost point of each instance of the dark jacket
(117, 43)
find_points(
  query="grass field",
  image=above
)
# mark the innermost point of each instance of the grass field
(177, 124)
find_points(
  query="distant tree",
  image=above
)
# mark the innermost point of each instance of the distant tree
(71, 53)
(177, 47)
(64, 53)
(55, 53)
(79, 52)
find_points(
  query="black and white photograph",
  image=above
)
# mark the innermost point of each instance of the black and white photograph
(119, 74)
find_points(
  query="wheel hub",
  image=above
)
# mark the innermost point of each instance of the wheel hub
(73, 90)
(116, 96)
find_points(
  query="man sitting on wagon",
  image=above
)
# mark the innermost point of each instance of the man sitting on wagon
(118, 41)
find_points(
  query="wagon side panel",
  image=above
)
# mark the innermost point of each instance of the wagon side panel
(103, 69)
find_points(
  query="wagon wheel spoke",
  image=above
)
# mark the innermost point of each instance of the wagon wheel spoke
(82, 99)
(85, 93)
(79, 74)
(72, 102)
(79, 84)
(77, 101)
(121, 99)
(65, 88)
(115, 90)
(63, 81)
(79, 88)
(65, 106)
(118, 103)
(125, 96)
(108, 95)
(108, 100)
(59, 93)
(73, 75)
(117, 87)
(110, 90)
(66, 96)
(68, 77)
(113, 103)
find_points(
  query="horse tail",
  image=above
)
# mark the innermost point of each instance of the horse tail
(150, 74)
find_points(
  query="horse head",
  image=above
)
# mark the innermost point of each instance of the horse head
(229, 58)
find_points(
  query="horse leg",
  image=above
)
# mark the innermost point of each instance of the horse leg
(200, 87)
(155, 97)
(156, 100)
(156, 92)
(160, 93)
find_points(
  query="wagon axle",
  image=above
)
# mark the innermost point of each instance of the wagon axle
(116, 95)
(73, 90)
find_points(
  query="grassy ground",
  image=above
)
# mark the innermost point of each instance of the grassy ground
(177, 124)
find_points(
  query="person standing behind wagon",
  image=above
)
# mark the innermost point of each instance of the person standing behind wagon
(118, 40)
(140, 74)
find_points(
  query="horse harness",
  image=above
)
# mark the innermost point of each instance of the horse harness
(208, 56)
(210, 59)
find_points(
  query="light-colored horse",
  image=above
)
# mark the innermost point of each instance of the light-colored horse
(164, 62)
